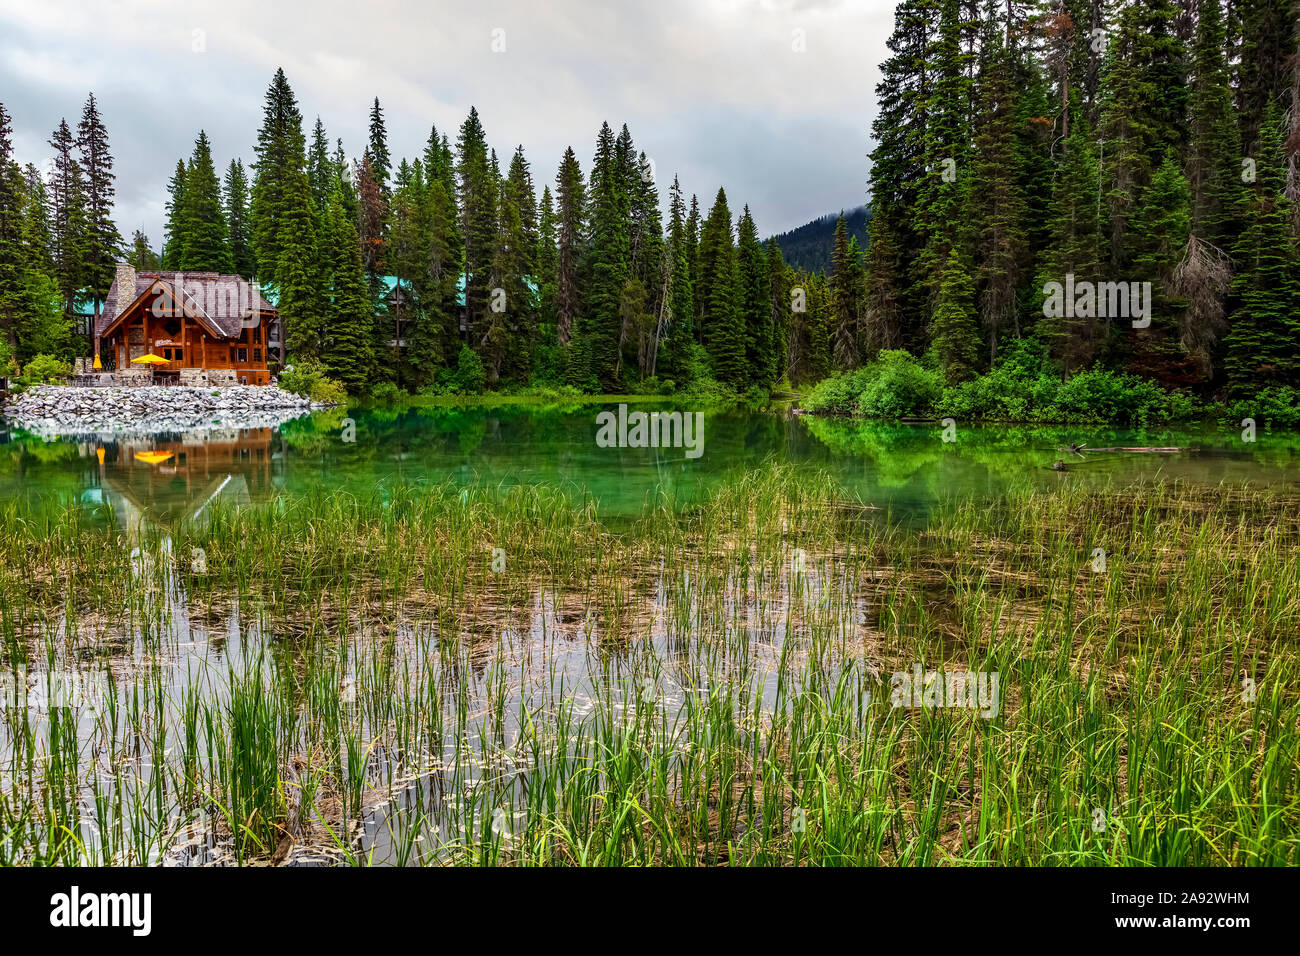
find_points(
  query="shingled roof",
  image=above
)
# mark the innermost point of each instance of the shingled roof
(221, 300)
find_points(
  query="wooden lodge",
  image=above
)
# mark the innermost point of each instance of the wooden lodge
(202, 329)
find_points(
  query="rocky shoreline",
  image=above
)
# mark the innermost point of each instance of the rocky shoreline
(62, 409)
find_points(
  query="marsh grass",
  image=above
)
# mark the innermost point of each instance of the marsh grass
(704, 685)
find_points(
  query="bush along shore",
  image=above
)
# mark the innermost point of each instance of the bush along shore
(54, 409)
(1023, 389)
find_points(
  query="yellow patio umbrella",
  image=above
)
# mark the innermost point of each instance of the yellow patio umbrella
(149, 359)
(99, 366)
(153, 457)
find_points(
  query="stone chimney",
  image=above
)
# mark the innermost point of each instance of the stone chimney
(125, 287)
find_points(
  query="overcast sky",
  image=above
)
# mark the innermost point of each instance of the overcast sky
(772, 99)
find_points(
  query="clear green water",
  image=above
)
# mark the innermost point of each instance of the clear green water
(902, 468)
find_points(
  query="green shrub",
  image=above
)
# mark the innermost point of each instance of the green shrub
(309, 380)
(894, 385)
(44, 370)
(1277, 406)
(837, 395)
(899, 386)
(468, 377)
(387, 394)
(1102, 396)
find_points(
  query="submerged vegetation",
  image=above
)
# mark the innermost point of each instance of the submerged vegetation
(504, 675)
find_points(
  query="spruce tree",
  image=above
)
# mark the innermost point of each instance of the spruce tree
(346, 349)
(673, 355)
(1074, 341)
(1265, 292)
(141, 255)
(846, 352)
(610, 254)
(954, 341)
(205, 246)
(571, 205)
(723, 322)
(174, 234)
(103, 240)
(755, 294)
(381, 164)
(235, 196)
(281, 196)
(997, 202)
(779, 283)
(70, 228)
(477, 192)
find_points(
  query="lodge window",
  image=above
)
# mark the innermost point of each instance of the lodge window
(257, 355)
(243, 355)
(180, 354)
(257, 335)
(167, 354)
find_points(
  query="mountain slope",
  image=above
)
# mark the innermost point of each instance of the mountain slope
(809, 246)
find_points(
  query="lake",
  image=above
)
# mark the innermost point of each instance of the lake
(903, 468)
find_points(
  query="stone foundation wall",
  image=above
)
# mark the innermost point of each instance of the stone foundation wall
(133, 376)
(215, 378)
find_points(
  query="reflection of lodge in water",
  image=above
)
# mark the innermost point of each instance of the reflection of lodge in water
(169, 478)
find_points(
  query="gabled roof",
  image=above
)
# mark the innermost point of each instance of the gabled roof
(212, 299)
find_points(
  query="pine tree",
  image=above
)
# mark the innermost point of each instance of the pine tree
(476, 191)
(142, 256)
(1074, 341)
(346, 349)
(1265, 292)
(14, 262)
(723, 323)
(281, 196)
(998, 205)
(1159, 235)
(898, 168)
(205, 245)
(1268, 41)
(845, 350)
(405, 260)
(693, 222)
(377, 149)
(610, 255)
(571, 205)
(174, 234)
(779, 283)
(432, 337)
(547, 271)
(70, 227)
(755, 294)
(515, 261)
(1203, 273)
(1214, 147)
(235, 196)
(1139, 126)
(284, 222)
(941, 202)
(954, 341)
(883, 320)
(102, 237)
(672, 356)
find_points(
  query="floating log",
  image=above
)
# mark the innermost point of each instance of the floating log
(1144, 450)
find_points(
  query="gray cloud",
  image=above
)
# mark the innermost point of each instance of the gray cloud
(771, 99)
